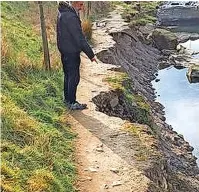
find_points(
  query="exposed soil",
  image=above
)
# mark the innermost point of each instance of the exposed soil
(101, 142)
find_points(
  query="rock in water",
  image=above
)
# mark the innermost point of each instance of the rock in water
(193, 74)
(164, 39)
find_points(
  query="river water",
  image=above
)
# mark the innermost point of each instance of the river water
(193, 45)
(181, 101)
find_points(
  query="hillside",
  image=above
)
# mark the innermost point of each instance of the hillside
(37, 143)
(122, 141)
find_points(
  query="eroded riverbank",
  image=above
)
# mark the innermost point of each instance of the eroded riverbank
(181, 102)
(176, 170)
(180, 98)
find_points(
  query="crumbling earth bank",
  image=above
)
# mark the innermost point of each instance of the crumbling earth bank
(175, 168)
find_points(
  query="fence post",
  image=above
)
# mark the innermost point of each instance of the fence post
(44, 37)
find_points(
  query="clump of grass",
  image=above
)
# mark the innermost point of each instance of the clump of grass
(5, 49)
(87, 28)
(140, 101)
(142, 151)
(117, 81)
(37, 140)
(39, 181)
(100, 9)
(135, 129)
(145, 141)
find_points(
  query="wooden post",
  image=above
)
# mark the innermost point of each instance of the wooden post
(44, 37)
(88, 9)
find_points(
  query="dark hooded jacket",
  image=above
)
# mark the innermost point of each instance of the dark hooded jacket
(70, 38)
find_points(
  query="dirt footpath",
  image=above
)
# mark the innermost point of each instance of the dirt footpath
(101, 145)
(100, 168)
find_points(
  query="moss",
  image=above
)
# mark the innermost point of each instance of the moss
(163, 32)
(116, 82)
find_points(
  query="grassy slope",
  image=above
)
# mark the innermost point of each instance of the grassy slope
(37, 148)
(142, 15)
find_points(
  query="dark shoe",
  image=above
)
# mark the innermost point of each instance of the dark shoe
(77, 106)
(66, 103)
(85, 105)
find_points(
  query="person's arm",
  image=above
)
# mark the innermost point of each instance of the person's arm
(75, 30)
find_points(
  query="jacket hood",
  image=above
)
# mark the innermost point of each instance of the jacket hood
(66, 9)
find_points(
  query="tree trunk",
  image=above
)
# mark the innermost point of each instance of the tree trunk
(44, 37)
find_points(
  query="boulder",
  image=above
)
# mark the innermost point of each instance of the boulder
(164, 39)
(193, 73)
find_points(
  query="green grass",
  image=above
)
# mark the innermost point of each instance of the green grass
(116, 81)
(144, 141)
(37, 143)
(26, 46)
(122, 82)
(100, 10)
(136, 17)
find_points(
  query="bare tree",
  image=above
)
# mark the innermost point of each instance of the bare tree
(44, 37)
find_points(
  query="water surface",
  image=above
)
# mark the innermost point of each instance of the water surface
(181, 98)
(181, 101)
(194, 45)
(189, 29)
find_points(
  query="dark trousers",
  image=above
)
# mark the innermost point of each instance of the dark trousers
(71, 64)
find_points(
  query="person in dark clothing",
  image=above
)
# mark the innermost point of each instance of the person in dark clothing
(70, 42)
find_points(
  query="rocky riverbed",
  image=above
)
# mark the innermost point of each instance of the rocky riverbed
(174, 50)
(182, 18)
(176, 168)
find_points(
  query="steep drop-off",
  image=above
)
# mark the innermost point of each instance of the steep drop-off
(175, 169)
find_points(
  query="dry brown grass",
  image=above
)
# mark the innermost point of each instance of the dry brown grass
(87, 28)
(38, 182)
(55, 60)
(23, 60)
(5, 49)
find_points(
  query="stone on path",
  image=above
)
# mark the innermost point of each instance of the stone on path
(116, 183)
(114, 170)
(91, 169)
